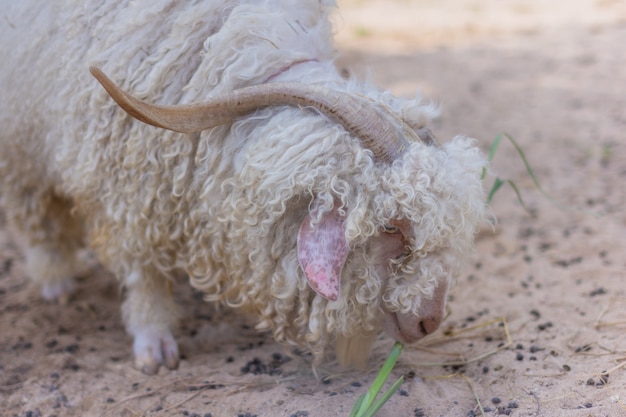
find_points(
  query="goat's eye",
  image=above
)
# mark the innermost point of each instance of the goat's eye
(391, 229)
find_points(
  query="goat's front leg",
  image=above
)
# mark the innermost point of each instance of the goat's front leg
(150, 315)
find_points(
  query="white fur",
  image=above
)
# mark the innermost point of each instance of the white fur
(223, 205)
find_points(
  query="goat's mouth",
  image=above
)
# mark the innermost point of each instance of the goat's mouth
(405, 328)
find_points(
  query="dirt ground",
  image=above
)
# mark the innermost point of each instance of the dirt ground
(537, 325)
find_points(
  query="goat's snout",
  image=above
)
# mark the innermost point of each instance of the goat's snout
(409, 328)
(428, 325)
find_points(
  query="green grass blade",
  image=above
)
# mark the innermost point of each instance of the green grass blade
(357, 405)
(499, 182)
(530, 171)
(494, 188)
(384, 372)
(378, 404)
(519, 195)
(494, 147)
(484, 173)
(364, 402)
(536, 181)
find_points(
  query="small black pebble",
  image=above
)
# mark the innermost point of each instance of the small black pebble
(485, 369)
(588, 405)
(519, 346)
(6, 267)
(230, 359)
(255, 367)
(544, 326)
(504, 411)
(326, 381)
(404, 393)
(567, 367)
(512, 404)
(73, 348)
(300, 414)
(207, 415)
(496, 400)
(519, 357)
(597, 291)
(590, 381)
(74, 366)
(22, 345)
(418, 412)
(356, 384)
(487, 409)
(534, 349)
(110, 400)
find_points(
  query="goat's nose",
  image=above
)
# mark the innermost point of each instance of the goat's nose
(433, 310)
(429, 324)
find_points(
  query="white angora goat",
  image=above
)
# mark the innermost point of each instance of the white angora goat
(322, 206)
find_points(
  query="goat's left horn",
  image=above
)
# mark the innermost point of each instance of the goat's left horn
(376, 126)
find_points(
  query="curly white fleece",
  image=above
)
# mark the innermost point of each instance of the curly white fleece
(224, 205)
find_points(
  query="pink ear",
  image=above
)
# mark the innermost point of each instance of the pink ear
(322, 252)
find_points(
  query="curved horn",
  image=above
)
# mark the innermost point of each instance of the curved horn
(376, 126)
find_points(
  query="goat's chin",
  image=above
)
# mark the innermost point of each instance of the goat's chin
(353, 351)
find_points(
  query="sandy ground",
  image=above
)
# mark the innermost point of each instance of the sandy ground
(534, 323)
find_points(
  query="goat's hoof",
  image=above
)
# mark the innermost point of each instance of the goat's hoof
(153, 349)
